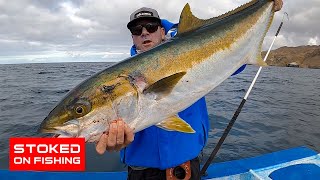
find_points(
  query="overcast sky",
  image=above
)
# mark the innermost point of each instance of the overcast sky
(95, 30)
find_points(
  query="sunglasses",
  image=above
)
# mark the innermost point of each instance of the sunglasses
(150, 27)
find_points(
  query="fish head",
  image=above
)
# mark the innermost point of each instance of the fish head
(64, 112)
(88, 109)
(65, 119)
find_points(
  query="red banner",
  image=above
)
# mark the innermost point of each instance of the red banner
(47, 154)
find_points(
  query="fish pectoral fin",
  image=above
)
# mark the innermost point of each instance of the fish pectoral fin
(165, 85)
(175, 123)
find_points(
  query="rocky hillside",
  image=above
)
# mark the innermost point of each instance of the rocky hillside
(301, 56)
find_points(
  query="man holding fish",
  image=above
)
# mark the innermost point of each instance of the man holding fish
(151, 106)
(154, 150)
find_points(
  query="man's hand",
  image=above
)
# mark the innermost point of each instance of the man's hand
(278, 5)
(119, 136)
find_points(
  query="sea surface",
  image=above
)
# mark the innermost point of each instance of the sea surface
(282, 111)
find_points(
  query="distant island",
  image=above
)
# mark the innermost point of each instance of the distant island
(301, 56)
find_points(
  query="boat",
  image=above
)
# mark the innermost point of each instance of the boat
(290, 164)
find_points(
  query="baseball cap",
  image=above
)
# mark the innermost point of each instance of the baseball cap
(143, 13)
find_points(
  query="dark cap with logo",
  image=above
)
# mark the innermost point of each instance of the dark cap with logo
(143, 13)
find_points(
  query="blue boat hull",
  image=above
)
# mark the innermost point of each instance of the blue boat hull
(297, 163)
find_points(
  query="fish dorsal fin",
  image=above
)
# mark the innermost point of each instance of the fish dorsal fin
(188, 22)
(175, 123)
(165, 85)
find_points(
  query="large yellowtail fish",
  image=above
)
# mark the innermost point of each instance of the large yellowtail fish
(152, 87)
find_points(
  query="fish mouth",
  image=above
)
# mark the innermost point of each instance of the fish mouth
(69, 129)
(59, 133)
(56, 133)
(60, 130)
(88, 138)
(49, 132)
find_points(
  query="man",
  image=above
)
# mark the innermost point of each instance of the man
(155, 153)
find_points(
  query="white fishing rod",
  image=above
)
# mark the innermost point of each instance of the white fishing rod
(236, 114)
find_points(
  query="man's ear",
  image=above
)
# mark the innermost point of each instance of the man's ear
(132, 39)
(163, 35)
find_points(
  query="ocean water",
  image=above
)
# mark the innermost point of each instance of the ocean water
(282, 111)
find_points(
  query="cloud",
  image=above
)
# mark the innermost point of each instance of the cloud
(303, 21)
(314, 41)
(91, 29)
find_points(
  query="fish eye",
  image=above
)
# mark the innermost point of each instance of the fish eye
(79, 110)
